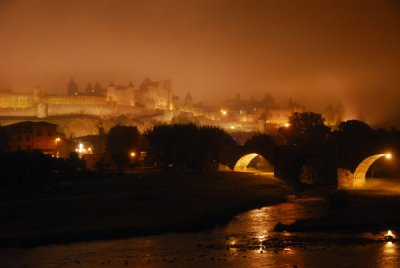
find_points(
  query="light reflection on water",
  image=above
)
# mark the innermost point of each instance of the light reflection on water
(238, 244)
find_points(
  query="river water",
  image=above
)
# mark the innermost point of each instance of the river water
(241, 243)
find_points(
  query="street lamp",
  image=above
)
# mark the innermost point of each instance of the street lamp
(57, 140)
(132, 154)
(388, 156)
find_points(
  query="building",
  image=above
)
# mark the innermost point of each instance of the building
(94, 101)
(28, 135)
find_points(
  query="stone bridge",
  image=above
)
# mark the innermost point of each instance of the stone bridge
(348, 180)
(253, 162)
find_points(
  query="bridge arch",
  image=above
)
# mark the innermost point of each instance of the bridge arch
(253, 162)
(362, 168)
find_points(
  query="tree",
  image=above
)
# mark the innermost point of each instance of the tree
(121, 141)
(98, 90)
(72, 88)
(175, 145)
(354, 140)
(186, 146)
(217, 147)
(306, 129)
(354, 128)
(262, 144)
(89, 90)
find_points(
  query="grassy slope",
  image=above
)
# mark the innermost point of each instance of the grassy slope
(134, 205)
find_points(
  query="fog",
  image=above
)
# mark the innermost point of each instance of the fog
(314, 51)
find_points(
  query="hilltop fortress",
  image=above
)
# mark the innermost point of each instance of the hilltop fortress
(79, 113)
(95, 101)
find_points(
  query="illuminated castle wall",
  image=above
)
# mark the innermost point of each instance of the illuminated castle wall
(117, 101)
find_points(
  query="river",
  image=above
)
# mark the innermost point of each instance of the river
(240, 243)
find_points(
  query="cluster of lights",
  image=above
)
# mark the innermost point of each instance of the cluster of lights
(82, 150)
(224, 112)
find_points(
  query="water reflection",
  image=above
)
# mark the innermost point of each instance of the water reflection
(241, 243)
(389, 256)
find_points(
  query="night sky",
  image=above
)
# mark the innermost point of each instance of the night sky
(315, 51)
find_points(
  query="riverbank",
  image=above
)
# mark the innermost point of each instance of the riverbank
(371, 209)
(138, 204)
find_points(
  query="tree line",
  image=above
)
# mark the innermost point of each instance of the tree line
(189, 147)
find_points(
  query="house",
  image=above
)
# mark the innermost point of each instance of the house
(28, 135)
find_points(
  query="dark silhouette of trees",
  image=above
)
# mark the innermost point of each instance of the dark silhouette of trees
(188, 147)
(121, 141)
(353, 141)
(307, 138)
(218, 147)
(306, 129)
(4, 139)
(175, 145)
(72, 88)
(89, 90)
(98, 90)
(262, 144)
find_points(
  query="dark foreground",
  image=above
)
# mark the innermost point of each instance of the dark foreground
(135, 205)
(248, 240)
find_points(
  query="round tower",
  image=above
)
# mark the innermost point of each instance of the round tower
(41, 110)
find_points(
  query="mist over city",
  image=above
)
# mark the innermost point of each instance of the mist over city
(317, 52)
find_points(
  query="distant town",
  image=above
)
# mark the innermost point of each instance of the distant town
(80, 115)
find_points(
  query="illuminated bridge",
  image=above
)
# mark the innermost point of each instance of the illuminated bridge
(253, 163)
(348, 180)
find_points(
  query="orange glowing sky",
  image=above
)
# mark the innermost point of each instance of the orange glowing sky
(313, 50)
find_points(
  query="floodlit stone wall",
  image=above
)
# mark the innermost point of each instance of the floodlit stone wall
(16, 100)
(73, 100)
(345, 178)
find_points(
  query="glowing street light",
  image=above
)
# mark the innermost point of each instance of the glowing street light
(57, 140)
(388, 156)
(81, 149)
(390, 236)
(132, 154)
(286, 125)
(224, 112)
